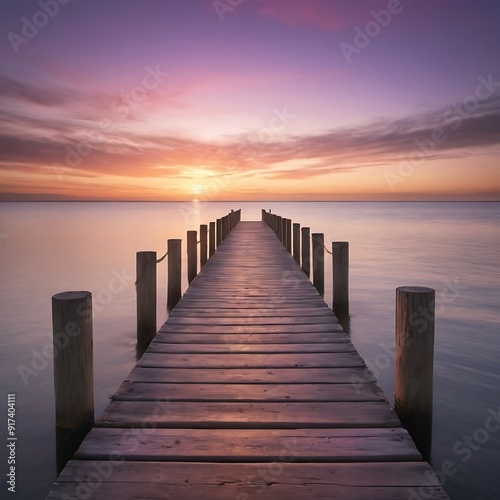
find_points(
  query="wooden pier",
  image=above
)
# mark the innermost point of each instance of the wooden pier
(246, 392)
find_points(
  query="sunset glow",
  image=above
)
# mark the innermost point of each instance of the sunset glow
(250, 100)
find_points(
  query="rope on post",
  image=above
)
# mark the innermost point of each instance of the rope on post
(161, 259)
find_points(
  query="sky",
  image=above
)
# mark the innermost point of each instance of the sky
(249, 100)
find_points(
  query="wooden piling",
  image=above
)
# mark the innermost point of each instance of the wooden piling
(146, 297)
(280, 229)
(318, 249)
(174, 273)
(225, 227)
(296, 242)
(73, 360)
(340, 269)
(192, 252)
(306, 250)
(219, 232)
(203, 244)
(211, 239)
(288, 242)
(283, 231)
(414, 362)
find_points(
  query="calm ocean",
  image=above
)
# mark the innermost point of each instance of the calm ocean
(46, 248)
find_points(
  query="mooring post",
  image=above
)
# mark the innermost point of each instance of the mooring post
(146, 297)
(73, 364)
(203, 244)
(264, 216)
(283, 231)
(280, 229)
(306, 250)
(340, 269)
(73, 370)
(219, 232)
(211, 238)
(174, 272)
(415, 313)
(289, 235)
(225, 231)
(318, 249)
(296, 242)
(192, 253)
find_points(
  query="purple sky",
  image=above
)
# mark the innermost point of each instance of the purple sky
(250, 99)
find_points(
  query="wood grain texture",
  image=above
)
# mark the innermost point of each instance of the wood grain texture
(253, 415)
(354, 376)
(250, 445)
(150, 391)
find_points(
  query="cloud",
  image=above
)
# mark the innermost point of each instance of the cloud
(33, 144)
(35, 94)
(386, 142)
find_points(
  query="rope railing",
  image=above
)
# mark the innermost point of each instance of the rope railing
(161, 259)
(324, 246)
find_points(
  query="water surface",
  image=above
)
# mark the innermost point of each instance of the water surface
(46, 248)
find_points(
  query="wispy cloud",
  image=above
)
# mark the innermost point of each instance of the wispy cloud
(381, 143)
(32, 143)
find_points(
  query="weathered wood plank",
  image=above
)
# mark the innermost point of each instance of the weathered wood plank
(237, 360)
(251, 327)
(147, 391)
(249, 445)
(221, 312)
(390, 480)
(258, 319)
(226, 491)
(226, 347)
(356, 475)
(258, 415)
(228, 303)
(249, 338)
(251, 375)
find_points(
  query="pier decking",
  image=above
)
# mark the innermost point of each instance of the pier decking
(247, 392)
